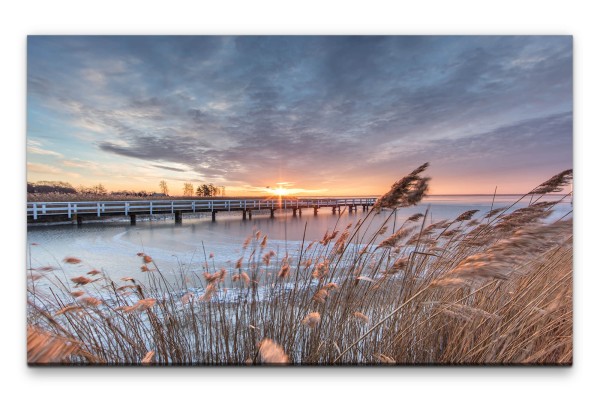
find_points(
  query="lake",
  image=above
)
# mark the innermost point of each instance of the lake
(113, 246)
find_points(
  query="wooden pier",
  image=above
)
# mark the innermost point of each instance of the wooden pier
(78, 211)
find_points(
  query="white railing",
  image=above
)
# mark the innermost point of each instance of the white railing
(98, 208)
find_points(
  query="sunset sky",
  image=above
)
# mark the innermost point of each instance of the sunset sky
(318, 115)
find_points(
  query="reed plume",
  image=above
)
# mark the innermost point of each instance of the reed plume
(272, 353)
(398, 236)
(147, 360)
(554, 184)
(506, 257)
(361, 316)
(312, 320)
(45, 348)
(406, 192)
(81, 280)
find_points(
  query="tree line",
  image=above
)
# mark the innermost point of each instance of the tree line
(61, 187)
(206, 190)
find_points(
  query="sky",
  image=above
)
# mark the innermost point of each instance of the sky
(315, 115)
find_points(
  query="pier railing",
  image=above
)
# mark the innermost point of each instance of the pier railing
(70, 210)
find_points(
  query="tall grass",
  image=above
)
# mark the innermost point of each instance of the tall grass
(497, 290)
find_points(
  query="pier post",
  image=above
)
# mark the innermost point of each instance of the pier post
(243, 214)
(316, 210)
(132, 219)
(333, 210)
(79, 220)
(214, 215)
(294, 211)
(178, 217)
(249, 214)
(300, 211)
(349, 208)
(272, 212)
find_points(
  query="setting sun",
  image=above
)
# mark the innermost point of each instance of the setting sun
(280, 191)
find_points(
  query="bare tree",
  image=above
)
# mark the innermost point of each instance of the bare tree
(163, 187)
(99, 189)
(93, 190)
(188, 189)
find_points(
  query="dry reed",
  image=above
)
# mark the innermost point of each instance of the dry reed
(496, 290)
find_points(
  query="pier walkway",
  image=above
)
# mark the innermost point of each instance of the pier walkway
(78, 211)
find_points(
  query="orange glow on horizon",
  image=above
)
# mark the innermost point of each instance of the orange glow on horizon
(442, 183)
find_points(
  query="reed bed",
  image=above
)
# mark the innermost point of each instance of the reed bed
(496, 289)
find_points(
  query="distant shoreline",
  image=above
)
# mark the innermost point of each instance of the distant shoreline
(66, 198)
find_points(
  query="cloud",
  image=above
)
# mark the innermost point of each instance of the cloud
(169, 168)
(40, 151)
(43, 168)
(252, 110)
(36, 147)
(83, 164)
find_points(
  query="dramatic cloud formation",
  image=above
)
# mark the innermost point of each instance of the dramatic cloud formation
(339, 115)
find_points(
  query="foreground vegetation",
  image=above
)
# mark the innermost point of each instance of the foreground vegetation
(492, 290)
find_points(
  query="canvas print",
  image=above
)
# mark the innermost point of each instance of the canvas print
(299, 200)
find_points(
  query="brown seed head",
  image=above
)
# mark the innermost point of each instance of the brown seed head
(320, 296)
(321, 270)
(148, 358)
(467, 215)
(362, 317)
(555, 184)
(210, 290)
(45, 348)
(406, 192)
(284, 272)
(81, 280)
(144, 304)
(246, 242)
(312, 319)
(215, 277)
(272, 353)
(415, 217)
(393, 239)
(89, 301)
(70, 308)
(385, 359)
(94, 272)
